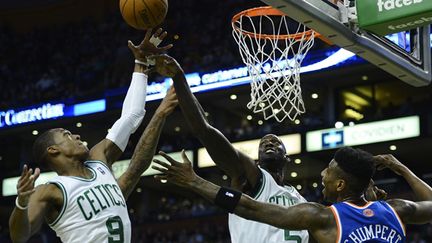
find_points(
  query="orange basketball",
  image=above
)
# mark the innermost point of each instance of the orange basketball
(144, 14)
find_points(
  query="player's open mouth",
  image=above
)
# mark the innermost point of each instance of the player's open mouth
(269, 151)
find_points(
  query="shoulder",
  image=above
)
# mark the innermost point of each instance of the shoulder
(321, 210)
(47, 191)
(399, 204)
(97, 152)
(402, 207)
(106, 151)
(327, 215)
(315, 210)
(318, 215)
(50, 193)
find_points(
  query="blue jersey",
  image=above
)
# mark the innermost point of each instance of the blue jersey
(374, 222)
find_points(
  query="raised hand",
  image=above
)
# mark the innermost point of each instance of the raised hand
(373, 193)
(166, 65)
(149, 46)
(25, 186)
(169, 103)
(181, 174)
(389, 161)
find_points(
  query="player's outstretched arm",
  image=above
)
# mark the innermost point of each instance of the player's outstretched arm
(32, 206)
(412, 212)
(146, 147)
(311, 216)
(133, 110)
(233, 162)
(421, 189)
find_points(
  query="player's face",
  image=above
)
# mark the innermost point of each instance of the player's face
(272, 151)
(70, 144)
(329, 182)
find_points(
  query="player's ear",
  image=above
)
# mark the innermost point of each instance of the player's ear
(340, 185)
(53, 150)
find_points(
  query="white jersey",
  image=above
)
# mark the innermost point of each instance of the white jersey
(247, 231)
(94, 210)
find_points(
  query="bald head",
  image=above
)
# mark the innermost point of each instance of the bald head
(41, 144)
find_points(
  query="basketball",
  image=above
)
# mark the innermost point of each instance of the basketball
(143, 14)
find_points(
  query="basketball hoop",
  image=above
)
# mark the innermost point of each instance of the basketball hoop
(273, 47)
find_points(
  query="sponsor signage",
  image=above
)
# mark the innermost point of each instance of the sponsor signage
(47, 111)
(292, 143)
(11, 117)
(157, 90)
(366, 133)
(384, 17)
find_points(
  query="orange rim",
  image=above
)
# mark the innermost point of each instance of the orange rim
(270, 11)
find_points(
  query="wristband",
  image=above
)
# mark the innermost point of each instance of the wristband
(19, 206)
(227, 198)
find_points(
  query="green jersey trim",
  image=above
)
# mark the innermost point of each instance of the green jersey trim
(289, 188)
(65, 199)
(84, 179)
(98, 161)
(102, 163)
(262, 187)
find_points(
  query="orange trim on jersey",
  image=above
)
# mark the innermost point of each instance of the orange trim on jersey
(338, 223)
(398, 218)
(358, 207)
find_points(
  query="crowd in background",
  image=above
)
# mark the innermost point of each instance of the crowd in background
(86, 58)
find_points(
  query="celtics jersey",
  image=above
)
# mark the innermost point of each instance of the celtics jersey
(94, 210)
(247, 231)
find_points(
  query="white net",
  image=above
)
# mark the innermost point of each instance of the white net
(273, 48)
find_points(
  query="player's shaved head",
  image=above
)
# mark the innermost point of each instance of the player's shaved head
(41, 144)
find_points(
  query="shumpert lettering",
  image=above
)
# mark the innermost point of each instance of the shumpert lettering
(371, 232)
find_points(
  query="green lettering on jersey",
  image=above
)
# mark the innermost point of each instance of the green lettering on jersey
(119, 194)
(81, 198)
(103, 194)
(110, 193)
(97, 198)
(91, 201)
(89, 197)
(105, 187)
(282, 200)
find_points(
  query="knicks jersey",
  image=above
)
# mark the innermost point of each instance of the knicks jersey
(248, 231)
(94, 210)
(374, 222)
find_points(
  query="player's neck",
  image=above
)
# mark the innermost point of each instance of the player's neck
(73, 167)
(353, 198)
(277, 176)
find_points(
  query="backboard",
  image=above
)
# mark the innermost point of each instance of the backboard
(406, 55)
